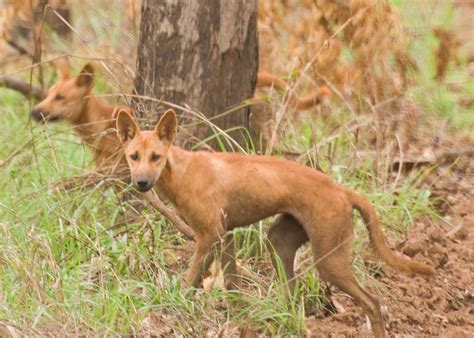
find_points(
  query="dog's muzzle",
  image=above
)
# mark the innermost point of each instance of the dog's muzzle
(143, 185)
(43, 116)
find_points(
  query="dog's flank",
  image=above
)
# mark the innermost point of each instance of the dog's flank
(72, 99)
(216, 192)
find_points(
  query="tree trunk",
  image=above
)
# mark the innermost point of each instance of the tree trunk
(201, 54)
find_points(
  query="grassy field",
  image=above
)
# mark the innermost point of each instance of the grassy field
(71, 263)
(65, 264)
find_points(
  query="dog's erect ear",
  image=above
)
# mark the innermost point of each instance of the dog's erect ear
(126, 126)
(86, 76)
(167, 128)
(64, 69)
(116, 112)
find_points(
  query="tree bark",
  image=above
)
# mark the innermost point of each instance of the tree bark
(201, 54)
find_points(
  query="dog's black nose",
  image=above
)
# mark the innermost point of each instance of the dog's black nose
(38, 114)
(35, 112)
(143, 185)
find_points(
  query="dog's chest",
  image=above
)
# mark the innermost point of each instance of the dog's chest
(194, 205)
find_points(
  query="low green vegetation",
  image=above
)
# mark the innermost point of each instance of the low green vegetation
(79, 261)
(70, 259)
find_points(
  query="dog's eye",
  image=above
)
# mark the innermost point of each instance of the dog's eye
(134, 156)
(59, 97)
(155, 157)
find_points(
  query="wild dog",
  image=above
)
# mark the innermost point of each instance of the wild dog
(72, 99)
(262, 117)
(217, 192)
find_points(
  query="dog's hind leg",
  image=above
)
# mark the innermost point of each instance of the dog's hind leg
(285, 236)
(228, 261)
(334, 266)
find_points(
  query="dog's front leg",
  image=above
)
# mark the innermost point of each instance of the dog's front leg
(201, 260)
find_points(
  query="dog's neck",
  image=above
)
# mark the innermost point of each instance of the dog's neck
(96, 127)
(95, 118)
(172, 174)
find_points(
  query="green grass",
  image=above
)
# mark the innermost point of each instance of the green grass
(441, 101)
(63, 262)
(64, 267)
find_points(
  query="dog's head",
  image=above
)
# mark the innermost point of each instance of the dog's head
(65, 98)
(146, 151)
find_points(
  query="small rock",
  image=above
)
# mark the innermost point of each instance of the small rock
(411, 249)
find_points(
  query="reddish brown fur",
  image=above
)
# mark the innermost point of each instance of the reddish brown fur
(216, 192)
(72, 99)
(320, 95)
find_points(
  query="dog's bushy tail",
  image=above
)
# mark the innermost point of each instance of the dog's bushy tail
(377, 239)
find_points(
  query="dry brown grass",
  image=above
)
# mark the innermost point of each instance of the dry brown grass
(378, 65)
(448, 50)
(359, 49)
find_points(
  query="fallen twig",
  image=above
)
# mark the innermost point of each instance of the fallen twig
(426, 158)
(436, 157)
(22, 87)
(158, 204)
(451, 155)
(20, 49)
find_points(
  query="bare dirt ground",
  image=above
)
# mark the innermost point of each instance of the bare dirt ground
(417, 306)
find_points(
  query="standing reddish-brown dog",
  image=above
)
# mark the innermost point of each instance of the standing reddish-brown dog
(216, 192)
(72, 99)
